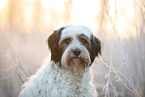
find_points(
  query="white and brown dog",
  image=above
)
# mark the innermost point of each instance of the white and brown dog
(73, 50)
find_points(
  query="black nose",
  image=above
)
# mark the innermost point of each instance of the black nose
(76, 52)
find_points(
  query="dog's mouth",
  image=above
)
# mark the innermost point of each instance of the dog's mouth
(77, 62)
(77, 59)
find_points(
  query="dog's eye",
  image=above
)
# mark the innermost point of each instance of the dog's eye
(84, 41)
(67, 41)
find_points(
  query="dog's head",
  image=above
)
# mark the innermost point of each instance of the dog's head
(74, 47)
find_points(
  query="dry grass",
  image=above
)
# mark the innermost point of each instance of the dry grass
(119, 72)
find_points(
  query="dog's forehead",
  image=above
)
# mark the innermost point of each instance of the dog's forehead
(76, 31)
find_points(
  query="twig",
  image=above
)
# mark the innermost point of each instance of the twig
(117, 72)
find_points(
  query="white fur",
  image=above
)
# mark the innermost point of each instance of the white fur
(67, 54)
(68, 79)
(73, 31)
(53, 81)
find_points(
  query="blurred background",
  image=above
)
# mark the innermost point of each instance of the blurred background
(119, 24)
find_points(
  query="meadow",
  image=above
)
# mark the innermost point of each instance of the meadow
(120, 25)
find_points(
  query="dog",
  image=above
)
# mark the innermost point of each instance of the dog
(73, 50)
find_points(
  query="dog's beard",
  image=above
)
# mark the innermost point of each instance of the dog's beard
(75, 63)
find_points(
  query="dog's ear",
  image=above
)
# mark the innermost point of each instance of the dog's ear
(53, 43)
(95, 48)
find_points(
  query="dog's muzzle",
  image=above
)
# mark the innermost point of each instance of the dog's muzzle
(77, 58)
(76, 52)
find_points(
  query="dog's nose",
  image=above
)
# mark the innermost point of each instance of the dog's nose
(76, 52)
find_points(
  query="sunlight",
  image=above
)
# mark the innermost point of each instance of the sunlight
(45, 3)
(2, 4)
(122, 26)
(57, 5)
(112, 10)
(129, 9)
(84, 13)
(125, 13)
(52, 11)
(126, 7)
(28, 12)
(30, 1)
(122, 13)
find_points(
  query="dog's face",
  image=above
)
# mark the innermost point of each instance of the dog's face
(74, 47)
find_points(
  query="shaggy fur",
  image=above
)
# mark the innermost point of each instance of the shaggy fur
(52, 81)
(73, 50)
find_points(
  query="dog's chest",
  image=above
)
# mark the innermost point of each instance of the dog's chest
(51, 81)
(60, 83)
(68, 84)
